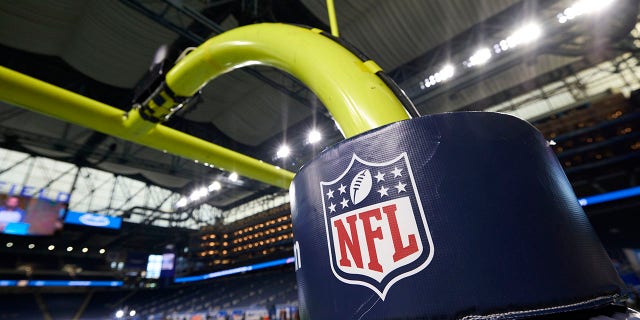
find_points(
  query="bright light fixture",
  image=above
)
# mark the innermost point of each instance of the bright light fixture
(215, 186)
(51, 247)
(102, 251)
(31, 246)
(9, 244)
(582, 7)
(523, 35)
(199, 193)
(233, 177)
(132, 313)
(84, 250)
(119, 314)
(447, 72)
(480, 57)
(181, 203)
(443, 75)
(314, 136)
(283, 152)
(69, 249)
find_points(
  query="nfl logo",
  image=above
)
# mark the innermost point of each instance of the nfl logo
(377, 232)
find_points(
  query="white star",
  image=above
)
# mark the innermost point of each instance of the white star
(330, 194)
(400, 187)
(396, 172)
(379, 177)
(332, 208)
(344, 203)
(342, 189)
(383, 191)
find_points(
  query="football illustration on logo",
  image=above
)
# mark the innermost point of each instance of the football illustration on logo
(360, 186)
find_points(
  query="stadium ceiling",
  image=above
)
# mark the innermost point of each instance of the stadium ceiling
(446, 55)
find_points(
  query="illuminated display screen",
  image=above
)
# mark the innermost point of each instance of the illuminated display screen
(60, 283)
(22, 215)
(154, 266)
(167, 261)
(610, 196)
(92, 220)
(252, 267)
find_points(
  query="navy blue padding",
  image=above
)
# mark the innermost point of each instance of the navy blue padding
(508, 233)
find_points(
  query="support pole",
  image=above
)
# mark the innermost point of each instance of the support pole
(357, 98)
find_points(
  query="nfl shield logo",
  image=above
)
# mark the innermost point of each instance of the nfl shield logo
(377, 232)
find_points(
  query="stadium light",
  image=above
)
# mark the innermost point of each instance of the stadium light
(119, 314)
(215, 186)
(233, 177)
(9, 244)
(51, 247)
(283, 152)
(69, 249)
(181, 203)
(199, 193)
(132, 313)
(85, 250)
(480, 57)
(525, 34)
(314, 136)
(444, 74)
(31, 246)
(102, 251)
(582, 7)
